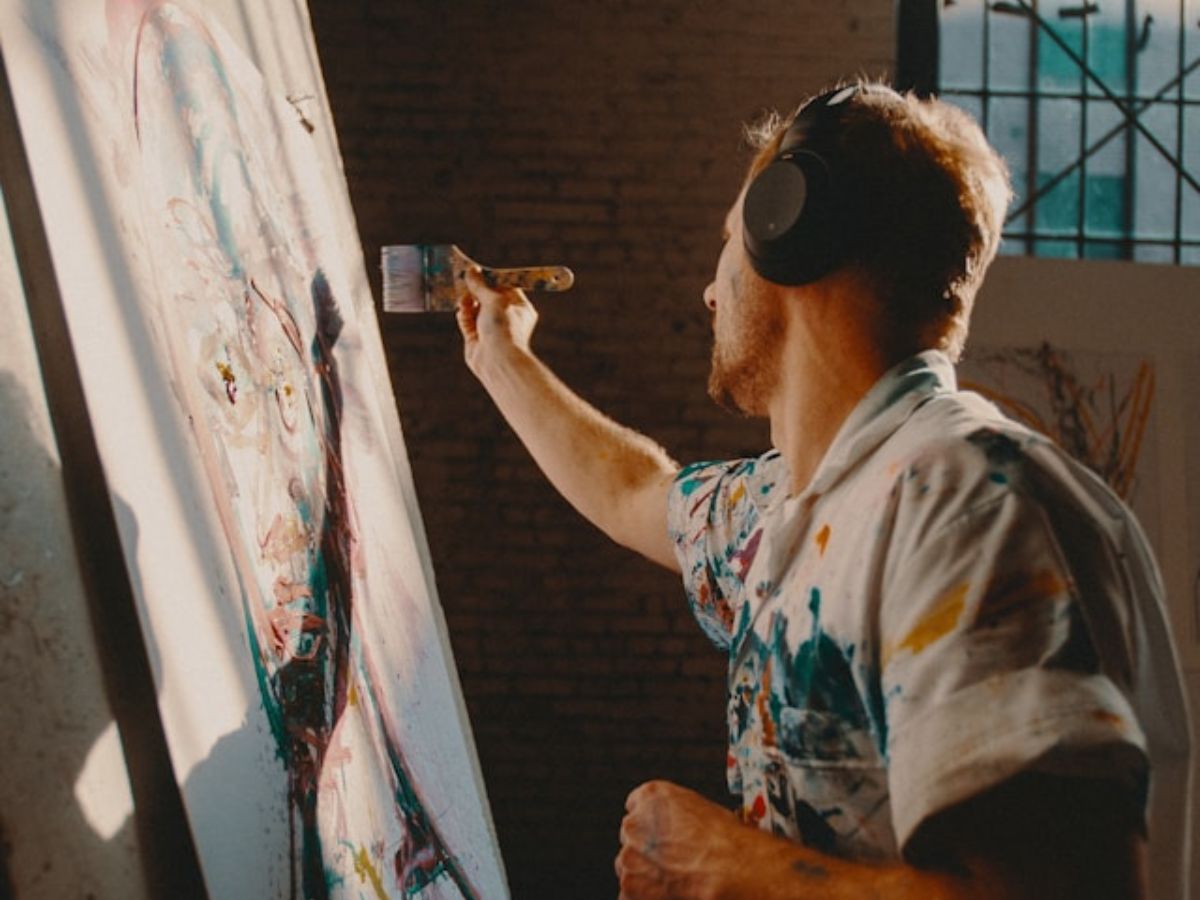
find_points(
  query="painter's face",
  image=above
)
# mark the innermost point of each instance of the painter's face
(747, 327)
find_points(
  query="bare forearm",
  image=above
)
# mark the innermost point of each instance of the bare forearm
(784, 870)
(615, 477)
(676, 843)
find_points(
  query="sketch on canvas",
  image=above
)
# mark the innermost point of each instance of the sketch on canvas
(260, 347)
(252, 324)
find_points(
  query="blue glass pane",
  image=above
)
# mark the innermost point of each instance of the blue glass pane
(1058, 208)
(1153, 253)
(1057, 249)
(1107, 43)
(1191, 256)
(1191, 161)
(1012, 247)
(961, 46)
(1155, 175)
(1191, 85)
(1104, 250)
(1009, 41)
(1058, 150)
(972, 104)
(1107, 211)
(1056, 69)
(1106, 206)
(1158, 57)
(1008, 130)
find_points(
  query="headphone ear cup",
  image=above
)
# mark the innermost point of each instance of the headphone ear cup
(788, 220)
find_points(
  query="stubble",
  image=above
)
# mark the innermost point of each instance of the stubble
(747, 348)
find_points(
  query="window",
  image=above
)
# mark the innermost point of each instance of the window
(1094, 103)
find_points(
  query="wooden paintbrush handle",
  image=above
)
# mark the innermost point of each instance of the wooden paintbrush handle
(534, 278)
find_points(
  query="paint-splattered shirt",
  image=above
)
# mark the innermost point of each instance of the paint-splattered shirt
(951, 601)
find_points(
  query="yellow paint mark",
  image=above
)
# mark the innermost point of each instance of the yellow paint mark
(937, 623)
(352, 699)
(367, 872)
(823, 538)
(738, 494)
(226, 372)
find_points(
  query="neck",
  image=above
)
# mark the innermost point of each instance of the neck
(829, 362)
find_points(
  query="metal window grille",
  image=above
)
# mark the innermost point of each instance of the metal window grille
(1095, 104)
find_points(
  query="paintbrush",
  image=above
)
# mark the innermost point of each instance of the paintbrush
(429, 277)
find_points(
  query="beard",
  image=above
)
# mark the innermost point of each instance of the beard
(746, 352)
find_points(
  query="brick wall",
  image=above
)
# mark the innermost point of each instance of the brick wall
(606, 136)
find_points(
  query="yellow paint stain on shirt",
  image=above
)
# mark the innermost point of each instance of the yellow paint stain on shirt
(367, 873)
(823, 538)
(936, 624)
(738, 493)
(352, 698)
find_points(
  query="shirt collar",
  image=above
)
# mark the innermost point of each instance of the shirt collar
(882, 410)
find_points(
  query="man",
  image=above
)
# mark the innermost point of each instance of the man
(944, 636)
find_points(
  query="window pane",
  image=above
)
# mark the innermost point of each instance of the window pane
(1153, 253)
(1057, 249)
(961, 46)
(1154, 180)
(1013, 247)
(1106, 47)
(1059, 124)
(1192, 54)
(971, 103)
(1009, 39)
(1056, 70)
(1158, 61)
(1104, 250)
(1058, 208)
(1191, 157)
(1008, 130)
(1106, 172)
(1109, 192)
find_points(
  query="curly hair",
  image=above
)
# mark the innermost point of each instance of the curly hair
(926, 194)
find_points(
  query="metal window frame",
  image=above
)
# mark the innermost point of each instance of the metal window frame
(918, 52)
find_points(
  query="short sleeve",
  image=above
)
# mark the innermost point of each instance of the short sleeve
(713, 515)
(988, 667)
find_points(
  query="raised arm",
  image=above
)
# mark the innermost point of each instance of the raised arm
(618, 479)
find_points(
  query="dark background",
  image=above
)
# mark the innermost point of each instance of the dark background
(605, 136)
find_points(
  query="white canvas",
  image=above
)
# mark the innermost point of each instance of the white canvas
(219, 314)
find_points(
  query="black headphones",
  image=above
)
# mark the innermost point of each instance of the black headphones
(796, 226)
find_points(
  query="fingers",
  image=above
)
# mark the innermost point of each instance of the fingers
(478, 287)
(637, 877)
(649, 792)
(467, 314)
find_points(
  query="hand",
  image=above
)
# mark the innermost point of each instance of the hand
(675, 843)
(493, 322)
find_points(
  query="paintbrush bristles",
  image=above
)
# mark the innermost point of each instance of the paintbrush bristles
(403, 278)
